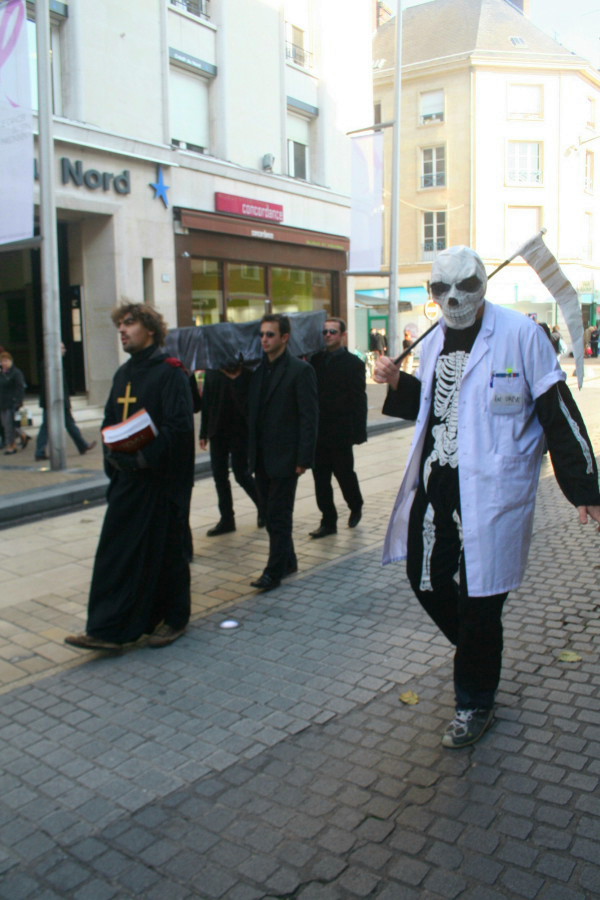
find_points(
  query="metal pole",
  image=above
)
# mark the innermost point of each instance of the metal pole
(395, 203)
(55, 412)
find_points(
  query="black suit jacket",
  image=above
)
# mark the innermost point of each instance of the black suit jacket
(224, 404)
(342, 389)
(284, 420)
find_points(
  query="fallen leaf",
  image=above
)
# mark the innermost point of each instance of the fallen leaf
(569, 656)
(410, 698)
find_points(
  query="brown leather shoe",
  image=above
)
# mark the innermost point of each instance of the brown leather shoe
(87, 642)
(164, 634)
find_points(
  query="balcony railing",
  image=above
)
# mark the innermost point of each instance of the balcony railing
(432, 247)
(525, 176)
(298, 55)
(433, 179)
(198, 8)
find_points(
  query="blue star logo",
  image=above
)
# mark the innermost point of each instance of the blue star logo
(160, 188)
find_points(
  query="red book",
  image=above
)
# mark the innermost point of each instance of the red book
(131, 435)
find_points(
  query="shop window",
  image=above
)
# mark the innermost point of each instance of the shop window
(524, 163)
(300, 290)
(431, 107)
(525, 101)
(433, 167)
(246, 292)
(189, 109)
(207, 291)
(434, 234)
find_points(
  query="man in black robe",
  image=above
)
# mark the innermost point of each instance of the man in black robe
(141, 579)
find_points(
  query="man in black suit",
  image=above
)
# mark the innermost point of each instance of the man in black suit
(224, 426)
(283, 430)
(342, 391)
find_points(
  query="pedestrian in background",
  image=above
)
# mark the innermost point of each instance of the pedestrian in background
(342, 393)
(12, 394)
(224, 430)
(41, 450)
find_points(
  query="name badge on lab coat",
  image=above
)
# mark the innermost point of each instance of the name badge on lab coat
(507, 393)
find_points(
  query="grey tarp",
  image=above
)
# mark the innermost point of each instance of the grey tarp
(227, 343)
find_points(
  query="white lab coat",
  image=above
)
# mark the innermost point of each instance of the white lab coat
(499, 454)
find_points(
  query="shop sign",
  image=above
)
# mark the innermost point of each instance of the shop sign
(93, 178)
(243, 206)
(431, 310)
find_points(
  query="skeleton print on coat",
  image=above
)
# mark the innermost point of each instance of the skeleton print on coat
(448, 377)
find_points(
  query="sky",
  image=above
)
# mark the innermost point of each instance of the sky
(576, 23)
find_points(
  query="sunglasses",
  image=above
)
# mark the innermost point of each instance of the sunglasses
(330, 331)
(267, 334)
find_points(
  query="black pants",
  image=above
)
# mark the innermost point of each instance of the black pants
(222, 447)
(339, 461)
(472, 624)
(277, 497)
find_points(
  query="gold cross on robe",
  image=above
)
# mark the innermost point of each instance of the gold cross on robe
(126, 400)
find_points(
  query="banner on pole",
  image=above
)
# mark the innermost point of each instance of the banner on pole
(366, 233)
(16, 126)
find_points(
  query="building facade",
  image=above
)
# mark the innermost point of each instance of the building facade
(202, 165)
(498, 139)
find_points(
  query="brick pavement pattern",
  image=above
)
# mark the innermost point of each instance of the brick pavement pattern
(276, 760)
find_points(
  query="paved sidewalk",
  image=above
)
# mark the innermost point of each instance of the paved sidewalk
(276, 759)
(29, 488)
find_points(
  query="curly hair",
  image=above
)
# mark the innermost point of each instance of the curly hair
(150, 318)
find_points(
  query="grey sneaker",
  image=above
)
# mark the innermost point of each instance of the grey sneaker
(467, 726)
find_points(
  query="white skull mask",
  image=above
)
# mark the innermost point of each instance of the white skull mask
(458, 283)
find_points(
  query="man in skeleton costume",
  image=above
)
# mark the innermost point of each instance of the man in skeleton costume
(487, 390)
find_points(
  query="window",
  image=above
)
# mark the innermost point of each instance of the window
(524, 163)
(522, 222)
(434, 234)
(298, 133)
(55, 67)
(207, 291)
(296, 46)
(188, 96)
(432, 107)
(591, 113)
(589, 170)
(433, 171)
(195, 7)
(300, 290)
(525, 101)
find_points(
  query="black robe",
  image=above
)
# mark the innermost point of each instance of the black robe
(141, 572)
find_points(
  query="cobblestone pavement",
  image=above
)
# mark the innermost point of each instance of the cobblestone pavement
(276, 759)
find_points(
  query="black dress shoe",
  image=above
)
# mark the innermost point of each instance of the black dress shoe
(355, 518)
(221, 528)
(291, 570)
(324, 531)
(265, 582)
